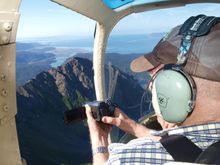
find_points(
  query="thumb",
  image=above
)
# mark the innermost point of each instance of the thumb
(111, 120)
(88, 112)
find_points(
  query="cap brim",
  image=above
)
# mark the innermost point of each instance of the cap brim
(144, 63)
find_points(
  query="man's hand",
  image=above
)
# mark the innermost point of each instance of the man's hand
(122, 121)
(98, 130)
(98, 135)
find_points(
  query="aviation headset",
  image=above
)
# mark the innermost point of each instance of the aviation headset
(173, 89)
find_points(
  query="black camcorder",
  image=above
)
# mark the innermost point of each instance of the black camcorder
(98, 108)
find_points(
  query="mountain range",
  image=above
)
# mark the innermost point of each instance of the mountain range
(42, 54)
(44, 139)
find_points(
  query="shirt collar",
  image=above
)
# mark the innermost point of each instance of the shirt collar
(200, 128)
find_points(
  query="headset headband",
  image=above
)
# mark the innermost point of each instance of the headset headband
(193, 27)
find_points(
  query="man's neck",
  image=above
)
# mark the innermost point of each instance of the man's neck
(204, 112)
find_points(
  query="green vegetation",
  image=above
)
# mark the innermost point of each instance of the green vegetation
(76, 103)
(79, 99)
(67, 102)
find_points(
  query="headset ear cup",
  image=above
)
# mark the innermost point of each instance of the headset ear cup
(171, 95)
(155, 100)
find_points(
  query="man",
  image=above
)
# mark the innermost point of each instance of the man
(201, 126)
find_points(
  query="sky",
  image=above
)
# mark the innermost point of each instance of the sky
(43, 18)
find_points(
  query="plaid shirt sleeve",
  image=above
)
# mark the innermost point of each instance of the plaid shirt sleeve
(138, 151)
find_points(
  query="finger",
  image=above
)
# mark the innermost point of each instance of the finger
(88, 112)
(111, 120)
(119, 112)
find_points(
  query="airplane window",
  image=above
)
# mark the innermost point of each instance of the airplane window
(49, 34)
(138, 34)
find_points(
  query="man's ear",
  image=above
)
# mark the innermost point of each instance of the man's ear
(164, 124)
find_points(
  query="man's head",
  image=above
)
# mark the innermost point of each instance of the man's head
(203, 62)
